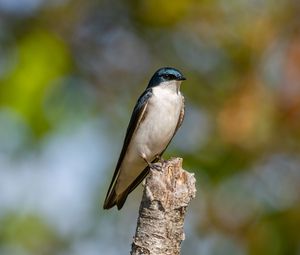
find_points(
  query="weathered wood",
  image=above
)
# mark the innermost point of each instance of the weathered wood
(167, 193)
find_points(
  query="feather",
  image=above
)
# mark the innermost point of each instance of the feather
(137, 116)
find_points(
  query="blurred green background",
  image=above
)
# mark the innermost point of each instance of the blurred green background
(70, 73)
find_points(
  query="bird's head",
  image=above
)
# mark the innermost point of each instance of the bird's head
(165, 74)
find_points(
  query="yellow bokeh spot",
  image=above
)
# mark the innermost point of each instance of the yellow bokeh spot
(42, 58)
(161, 13)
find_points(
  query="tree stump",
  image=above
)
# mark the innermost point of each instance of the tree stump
(166, 195)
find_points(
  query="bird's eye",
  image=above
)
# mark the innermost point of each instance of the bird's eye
(168, 76)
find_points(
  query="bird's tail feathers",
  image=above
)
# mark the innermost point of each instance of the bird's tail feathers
(113, 199)
(110, 200)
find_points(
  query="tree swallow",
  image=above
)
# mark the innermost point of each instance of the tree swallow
(156, 117)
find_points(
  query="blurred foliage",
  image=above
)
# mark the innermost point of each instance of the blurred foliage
(42, 58)
(159, 13)
(72, 69)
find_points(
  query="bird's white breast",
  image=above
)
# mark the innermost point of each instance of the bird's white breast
(163, 112)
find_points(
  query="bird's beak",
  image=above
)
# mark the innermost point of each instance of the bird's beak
(182, 78)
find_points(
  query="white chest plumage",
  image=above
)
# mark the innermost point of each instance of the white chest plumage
(157, 129)
(154, 133)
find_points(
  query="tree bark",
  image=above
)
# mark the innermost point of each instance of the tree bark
(167, 193)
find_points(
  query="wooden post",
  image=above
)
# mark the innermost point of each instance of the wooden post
(167, 193)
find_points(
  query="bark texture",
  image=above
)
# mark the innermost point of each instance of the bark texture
(167, 193)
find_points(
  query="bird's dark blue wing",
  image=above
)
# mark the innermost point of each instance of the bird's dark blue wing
(138, 114)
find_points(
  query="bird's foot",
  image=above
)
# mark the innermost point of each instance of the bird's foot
(159, 158)
(157, 166)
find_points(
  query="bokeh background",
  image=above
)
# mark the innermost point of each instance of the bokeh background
(70, 73)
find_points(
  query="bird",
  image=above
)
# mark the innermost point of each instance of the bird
(156, 117)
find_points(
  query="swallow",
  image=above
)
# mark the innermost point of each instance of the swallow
(155, 119)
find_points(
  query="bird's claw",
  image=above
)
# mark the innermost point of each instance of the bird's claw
(159, 158)
(157, 166)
